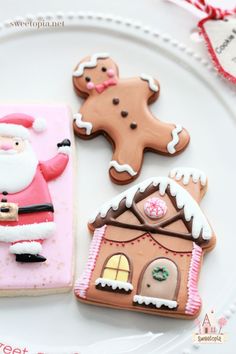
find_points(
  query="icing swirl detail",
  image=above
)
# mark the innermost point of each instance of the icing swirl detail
(122, 167)
(81, 124)
(175, 139)
(151, 83)
(92, 63)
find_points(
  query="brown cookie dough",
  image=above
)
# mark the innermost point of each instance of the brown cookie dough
(148, 247)
(118, 109)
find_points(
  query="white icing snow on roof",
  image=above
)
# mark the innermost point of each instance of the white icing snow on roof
(183, 200)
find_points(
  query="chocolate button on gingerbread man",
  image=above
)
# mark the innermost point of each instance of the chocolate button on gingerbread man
(118, 109)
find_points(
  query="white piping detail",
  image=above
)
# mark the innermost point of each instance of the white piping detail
(114, 284)
(92, 63)
(28, 232)
(151, 82)
(184, 200)
(81, 124)
(26, 247)
(64, 150)
(175, 139)
(121, 168)
(146, 300)
(186, 173)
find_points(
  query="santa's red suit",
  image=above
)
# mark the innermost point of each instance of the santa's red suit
(26, 208)
(35, 209)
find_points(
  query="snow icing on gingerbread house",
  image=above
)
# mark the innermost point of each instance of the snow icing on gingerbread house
(148, 246)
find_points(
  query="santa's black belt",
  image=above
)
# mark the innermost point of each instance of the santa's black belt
(35, 208)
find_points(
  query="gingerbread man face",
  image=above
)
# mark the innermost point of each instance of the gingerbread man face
(93, 77)
(118, 109)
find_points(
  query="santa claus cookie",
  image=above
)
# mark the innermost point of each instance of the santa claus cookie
(148, 246)
(35, 199)
(118, 109)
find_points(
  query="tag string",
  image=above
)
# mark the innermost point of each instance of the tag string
(212, 12)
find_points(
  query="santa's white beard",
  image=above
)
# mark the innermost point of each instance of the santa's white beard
(17, 170)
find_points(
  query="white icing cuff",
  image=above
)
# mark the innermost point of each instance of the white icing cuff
(151, 83)
(26, 247)
(186, 173)
(64, 150)
(81, 124)
(175, 139)
(122, 168)
(28, 232)
(39, 125)
(92, 63)
(114, 284)
(146, 300)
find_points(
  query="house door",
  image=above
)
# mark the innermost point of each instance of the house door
(160, 280)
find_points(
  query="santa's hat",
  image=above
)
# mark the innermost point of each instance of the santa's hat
(16, 124)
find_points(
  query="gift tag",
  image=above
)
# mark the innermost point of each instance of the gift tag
(220, 37)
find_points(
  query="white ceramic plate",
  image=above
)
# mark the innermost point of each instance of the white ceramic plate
(36, 66)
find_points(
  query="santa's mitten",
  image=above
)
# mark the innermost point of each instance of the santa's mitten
(64, 146)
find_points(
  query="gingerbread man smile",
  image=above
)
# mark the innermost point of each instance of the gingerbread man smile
(118, 109)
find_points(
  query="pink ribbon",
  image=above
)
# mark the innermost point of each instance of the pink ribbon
(101, 87)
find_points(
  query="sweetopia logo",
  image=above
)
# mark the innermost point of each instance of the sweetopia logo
(39, 24)
(210, 330)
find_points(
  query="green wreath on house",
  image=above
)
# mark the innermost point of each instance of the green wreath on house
(160, 273)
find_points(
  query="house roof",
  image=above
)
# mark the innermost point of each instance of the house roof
(184, 200)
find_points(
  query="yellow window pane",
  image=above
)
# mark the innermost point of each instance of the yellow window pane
(113, 261)
(124, 264)
(109, 274)
(122, 276)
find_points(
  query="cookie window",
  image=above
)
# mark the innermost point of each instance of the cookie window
(117, 268)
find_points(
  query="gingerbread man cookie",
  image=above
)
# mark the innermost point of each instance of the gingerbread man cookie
(118, 109)
(148, 246)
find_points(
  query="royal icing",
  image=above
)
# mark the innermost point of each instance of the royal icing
(82, 284)
(151, 83)
(175, 139)
(122, 167)
(114, 284)
(36, 230)
(186, 173)
(194, 300)
(146, 300)
(155, 208)
(118, 109)
(81, 124)
(184, 200)
(92, 63)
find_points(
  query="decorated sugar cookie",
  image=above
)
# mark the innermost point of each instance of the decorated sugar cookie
(33, 162)
(118, 109)
(147, 247)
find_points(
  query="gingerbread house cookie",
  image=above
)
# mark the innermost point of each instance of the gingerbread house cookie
(118, 109)
(148, 246)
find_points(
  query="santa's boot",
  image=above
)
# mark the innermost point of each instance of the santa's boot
(27, 251)
(30, 258)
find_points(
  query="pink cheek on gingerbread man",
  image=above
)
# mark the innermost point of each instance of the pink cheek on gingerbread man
(110, 73)
(90, 85)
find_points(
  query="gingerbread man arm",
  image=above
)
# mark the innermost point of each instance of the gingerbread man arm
(54, 167)
(153, 87)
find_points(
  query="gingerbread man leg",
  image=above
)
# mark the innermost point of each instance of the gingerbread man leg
(126, 163)
(165, 138)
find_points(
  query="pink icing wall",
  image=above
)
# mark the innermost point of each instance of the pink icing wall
(57, 271)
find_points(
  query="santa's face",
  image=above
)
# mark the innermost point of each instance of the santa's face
(11, 145)
(18, 164)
